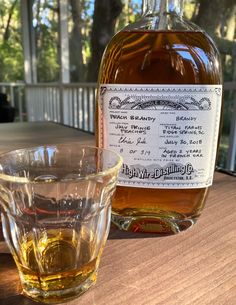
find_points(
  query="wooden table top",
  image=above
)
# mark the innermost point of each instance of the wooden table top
(195, 267)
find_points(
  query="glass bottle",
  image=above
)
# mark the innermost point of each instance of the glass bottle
(159, 106)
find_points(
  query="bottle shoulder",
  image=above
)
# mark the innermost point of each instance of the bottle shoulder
(178, 26)
(161, 56)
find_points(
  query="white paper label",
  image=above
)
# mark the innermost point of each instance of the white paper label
(166, 134)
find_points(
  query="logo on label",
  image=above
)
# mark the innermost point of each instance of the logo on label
(157, 172)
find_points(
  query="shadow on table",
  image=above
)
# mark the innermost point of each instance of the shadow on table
(115, 233)
(18, 299)
(9, 278)
(10, 287)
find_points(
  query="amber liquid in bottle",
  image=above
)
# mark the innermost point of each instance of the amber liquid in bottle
(158, 57)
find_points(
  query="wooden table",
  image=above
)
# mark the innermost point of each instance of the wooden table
(195, 267)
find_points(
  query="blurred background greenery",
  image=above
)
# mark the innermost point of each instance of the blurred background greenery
(92, 23)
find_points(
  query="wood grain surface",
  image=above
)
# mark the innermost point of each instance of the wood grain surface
(19, 135)
(195, 267)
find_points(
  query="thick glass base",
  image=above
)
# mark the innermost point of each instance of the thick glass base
(167, 224)
(61, 295)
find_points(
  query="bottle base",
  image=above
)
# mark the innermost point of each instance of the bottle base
(160, 224)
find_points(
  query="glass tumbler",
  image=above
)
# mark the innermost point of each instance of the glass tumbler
(55, 202)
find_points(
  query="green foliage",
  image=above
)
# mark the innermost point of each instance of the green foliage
(190, 9)
(131, 12)
(11, 62)
(47, 63)
(46, 33)
(11, 53)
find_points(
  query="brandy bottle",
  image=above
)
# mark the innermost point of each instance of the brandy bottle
(159, 106)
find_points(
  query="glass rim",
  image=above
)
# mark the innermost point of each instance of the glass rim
(102, 173)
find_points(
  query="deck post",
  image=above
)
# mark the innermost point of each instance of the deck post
(64, 57)
(28, 41)
(232, 138)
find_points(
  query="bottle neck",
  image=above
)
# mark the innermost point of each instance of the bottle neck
(159, 7)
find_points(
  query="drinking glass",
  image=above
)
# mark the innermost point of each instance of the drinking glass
(56, 202)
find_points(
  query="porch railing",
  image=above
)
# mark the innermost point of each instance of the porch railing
(70, 104)
(74, 105)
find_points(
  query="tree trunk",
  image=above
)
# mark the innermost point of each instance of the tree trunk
(211, 17)
(230, 23)
(104, 18)
(76, 46)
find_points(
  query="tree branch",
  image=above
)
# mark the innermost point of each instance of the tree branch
(52, 8)
(7, 30)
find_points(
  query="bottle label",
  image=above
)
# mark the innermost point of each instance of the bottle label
(166, 134)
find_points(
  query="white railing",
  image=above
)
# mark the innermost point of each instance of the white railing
(69, 104)
(74, 105)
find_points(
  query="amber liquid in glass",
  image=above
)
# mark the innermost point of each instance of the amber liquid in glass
(61, 260)
(156, 57)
